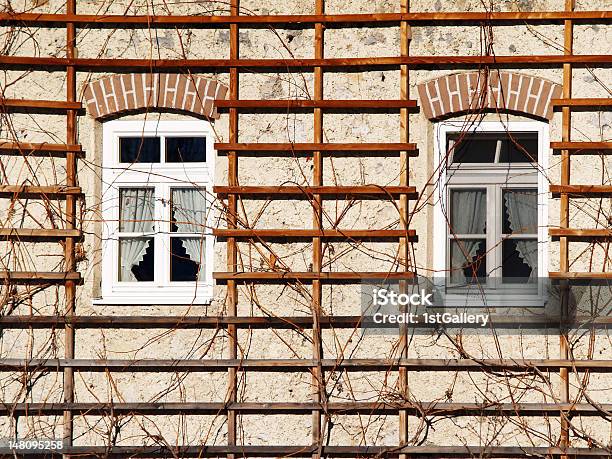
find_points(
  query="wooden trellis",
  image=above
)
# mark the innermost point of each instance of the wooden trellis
(316, 192)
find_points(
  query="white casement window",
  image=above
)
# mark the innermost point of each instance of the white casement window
(157, 246)
(490, 214)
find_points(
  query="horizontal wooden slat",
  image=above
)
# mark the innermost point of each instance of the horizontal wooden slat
(584, 148)
(38, 277)
(390, 451)
(297, 192)
(307, 276)
(337, 149)
(293, 104)
(29, 234)
(287, 322)
(276, 408)
(580, 275)
(279, 65)
(55, 191)
(270, 234)
(195, 21)
(38, 149)
(587, 104)
(300, 365)
(581, 234)
(582, 190)
(37, 106)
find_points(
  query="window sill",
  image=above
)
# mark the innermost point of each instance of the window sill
(164, 296)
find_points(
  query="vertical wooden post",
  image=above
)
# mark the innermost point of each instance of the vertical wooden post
(70, 223)
(318, 383)
(404, 246)
(232, 252)
(566, 127)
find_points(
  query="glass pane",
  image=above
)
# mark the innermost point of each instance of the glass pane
(187, 258)
(492, 147)
(185, 149)
(468, 211)
(468, 260)
(520, 215)
(520, 260)
(136, 259)
(139, 150)
(188, 210)
(520, 147)
(136, 208)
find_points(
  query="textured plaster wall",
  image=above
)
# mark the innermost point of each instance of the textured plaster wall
(280, 300)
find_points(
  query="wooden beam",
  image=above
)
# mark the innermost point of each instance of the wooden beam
(581, 190)
(307, 276)
(583, 104)
(576, 148)
(301, 365)
(424, 408)
(329, 234)
(38, 277)
(311, 147)
(580, 275)
(37, 106)
(280, 65)
(387, 451)
(348, 20)
(38, 235)
(38, 149)
(39, 192)
(298, 192)
(581, 234)
(306, 104)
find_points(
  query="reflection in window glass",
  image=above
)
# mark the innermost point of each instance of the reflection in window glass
(494, 147)
(185, 149)
(139, 150)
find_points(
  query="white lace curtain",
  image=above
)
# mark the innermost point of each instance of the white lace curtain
(468, 216)
(136, 208)
(190, 217)
(523, 216)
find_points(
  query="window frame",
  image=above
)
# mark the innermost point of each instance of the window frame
(476, 176)
(163, 177)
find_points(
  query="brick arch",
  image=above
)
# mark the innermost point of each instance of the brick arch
(118, 94)
(459, 93)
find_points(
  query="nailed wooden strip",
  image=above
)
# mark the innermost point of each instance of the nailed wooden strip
(182, 65)
(195, 21)
(361, 192)
(582, 190)
(580, 275)
(267, 234)
(575, 148)
(38, 277)
(39, 235)
(37, 106)
(311, 147)
(591, 103)
(276, 408)
(38, 149)
(284, 105)
(293, 365)
(53, 191)
(307, 276)
(581, 234)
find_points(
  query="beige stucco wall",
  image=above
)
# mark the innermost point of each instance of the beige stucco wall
(279, 300)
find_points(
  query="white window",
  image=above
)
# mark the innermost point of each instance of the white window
(490, 215)
(157, 182)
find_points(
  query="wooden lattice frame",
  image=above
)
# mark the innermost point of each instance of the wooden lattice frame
(316, 193)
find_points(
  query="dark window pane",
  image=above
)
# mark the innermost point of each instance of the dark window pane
(139, 150)
(519, 260)
(491, 147)
(520, 147)
(468, 260)
(182, 267)
(520, 213)
(136, 259)
(185, 149)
